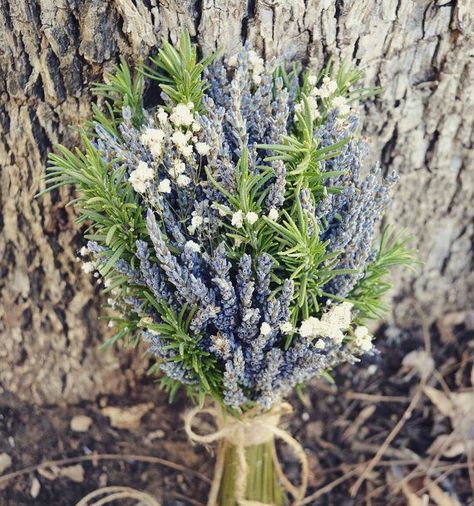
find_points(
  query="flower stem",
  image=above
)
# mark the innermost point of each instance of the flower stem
(262, 480)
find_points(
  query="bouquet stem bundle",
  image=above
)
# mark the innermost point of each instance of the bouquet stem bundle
(263, 485)
(247, 471)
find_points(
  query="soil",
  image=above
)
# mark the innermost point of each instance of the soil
(339, 425)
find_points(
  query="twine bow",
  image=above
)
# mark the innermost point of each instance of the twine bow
(251, 429)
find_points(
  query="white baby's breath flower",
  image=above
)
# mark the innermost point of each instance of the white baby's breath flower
(286, 327)
(186, 151)
(162, 116)
(331, 325)
(107, 282)
(111, 324)
(153, 139)
(196, 126)
(363, 339)
(339, 315)
(313, 107)
(140, 177)
(84, 251)
(196, 221)
(182, 115)
(312, 80)
(180, 139)
(177, 168)
(88, 267)
(257, 66)
(265, 329)
(328, 87)
(183, 180)
(238, 219)
(340, 103)
(361, 331)
(164, 186)
(192, 246)
(320, 344)
(233, 60)
(202, 148)
(273, 214)
(251, 217)
(307, 327)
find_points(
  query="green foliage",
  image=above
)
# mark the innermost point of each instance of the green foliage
(120, 90)
(174, 330)
(252, 190)
(302, 253)
(179, 72)
(106, 202)
(346, 77)
(295, 242)
(302, 156)
(367, 296)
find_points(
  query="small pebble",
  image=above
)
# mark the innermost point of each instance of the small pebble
(35, 488)
(157, 434)
(103, 480)
(5, 462)
(305, 416)
(372, 369)
(81, 423)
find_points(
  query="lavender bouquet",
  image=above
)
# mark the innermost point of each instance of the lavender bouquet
(233, 225)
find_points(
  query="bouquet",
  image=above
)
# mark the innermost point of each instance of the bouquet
(232, 222)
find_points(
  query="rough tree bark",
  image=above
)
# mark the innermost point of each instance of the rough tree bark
(51, 51)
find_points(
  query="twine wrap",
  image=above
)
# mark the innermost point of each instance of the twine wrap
(251, 429)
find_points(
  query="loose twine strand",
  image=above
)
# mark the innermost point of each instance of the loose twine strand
(112, 494)
(250, 430)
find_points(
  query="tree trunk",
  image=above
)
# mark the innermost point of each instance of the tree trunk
(52, 50)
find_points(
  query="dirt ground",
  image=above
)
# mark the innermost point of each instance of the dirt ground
(397, 429)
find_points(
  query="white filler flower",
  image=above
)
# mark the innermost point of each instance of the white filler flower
(265, 329)
(251, 217)
(332, 324)
(153, 139)
(182, 115)
(286, 327)
(238, 219)
(164, 186)
(202, 148)
(183, 181)
(363, 339)
(273, 214)
(141, 176)
(192, 246)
